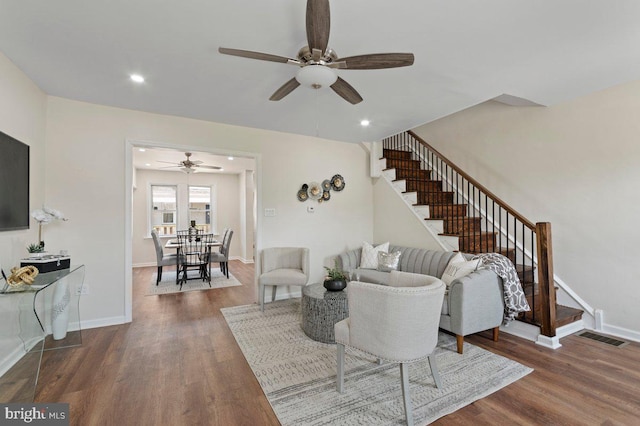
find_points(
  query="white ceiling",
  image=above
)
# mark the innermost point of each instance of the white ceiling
(466, 52)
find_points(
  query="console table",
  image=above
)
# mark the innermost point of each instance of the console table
(321, 310)
(43, 316)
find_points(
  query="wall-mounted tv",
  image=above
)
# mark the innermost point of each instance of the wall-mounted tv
(14, 184)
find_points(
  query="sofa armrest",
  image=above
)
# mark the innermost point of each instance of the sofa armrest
(475, 302)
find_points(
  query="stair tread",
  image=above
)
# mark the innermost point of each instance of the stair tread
(470, 234)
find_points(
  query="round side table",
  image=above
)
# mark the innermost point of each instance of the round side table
(321, 310)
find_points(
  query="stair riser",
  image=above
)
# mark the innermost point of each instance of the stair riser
(400, 155)
(435, 198)
(393, 163)
(425, 186)
(462, 225)
(413, 174)
(446, 211)
(476, 244)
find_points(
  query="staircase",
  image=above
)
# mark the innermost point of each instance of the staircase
(467, 217)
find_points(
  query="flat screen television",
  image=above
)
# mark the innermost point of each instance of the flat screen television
(14, 184)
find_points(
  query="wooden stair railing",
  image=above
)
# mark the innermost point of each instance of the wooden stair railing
(482, 223)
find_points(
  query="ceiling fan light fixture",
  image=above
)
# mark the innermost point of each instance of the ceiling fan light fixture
(188, 170)
(316, 76)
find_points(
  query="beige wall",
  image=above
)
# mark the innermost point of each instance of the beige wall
(576, 165)
(227, 202)
(395, 222)
(22, 116)
(86, 172)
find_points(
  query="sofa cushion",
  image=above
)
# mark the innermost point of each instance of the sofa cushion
(388, 262)
(371, 276)
(422, 261)
(458, 267)
(283, 277)
(369, 256)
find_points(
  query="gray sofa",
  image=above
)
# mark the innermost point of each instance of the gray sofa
(474, 303)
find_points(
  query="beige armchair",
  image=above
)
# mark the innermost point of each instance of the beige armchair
(283, 266)
(396, 323)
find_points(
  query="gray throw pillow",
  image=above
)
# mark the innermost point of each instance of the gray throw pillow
(388, 262)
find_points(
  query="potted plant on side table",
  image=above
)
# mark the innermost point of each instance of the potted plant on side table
(336, 280)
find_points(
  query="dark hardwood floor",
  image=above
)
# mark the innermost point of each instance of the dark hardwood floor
(177, 363)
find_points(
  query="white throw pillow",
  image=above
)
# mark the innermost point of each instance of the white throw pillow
(369, 256)
(458, 267)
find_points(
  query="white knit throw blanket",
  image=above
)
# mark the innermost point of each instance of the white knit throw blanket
(514, 298)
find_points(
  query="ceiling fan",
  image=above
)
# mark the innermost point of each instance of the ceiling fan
(318, 63)
(189, 166)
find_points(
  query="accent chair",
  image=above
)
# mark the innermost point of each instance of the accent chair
(396, 323)
(283, 266)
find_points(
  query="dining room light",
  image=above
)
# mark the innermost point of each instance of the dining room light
(365, 123)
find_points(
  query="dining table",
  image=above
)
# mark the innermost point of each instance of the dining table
(173, 244)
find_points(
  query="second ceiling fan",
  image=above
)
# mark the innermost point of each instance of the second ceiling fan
(318, 63)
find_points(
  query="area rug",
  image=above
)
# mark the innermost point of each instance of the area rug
(298, 375)
(168, 283)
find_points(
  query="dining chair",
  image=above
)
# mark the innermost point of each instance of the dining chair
(222, 257)
(194, 253)
(396, 323)
(161, 258)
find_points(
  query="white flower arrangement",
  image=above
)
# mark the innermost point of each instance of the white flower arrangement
(43, 216)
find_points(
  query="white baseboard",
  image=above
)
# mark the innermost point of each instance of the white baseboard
(548, 342)
(144, 265)
(103, 322)
(622, 333)
(521, 329)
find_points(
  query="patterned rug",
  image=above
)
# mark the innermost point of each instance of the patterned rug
(168, 283)
(298, 375)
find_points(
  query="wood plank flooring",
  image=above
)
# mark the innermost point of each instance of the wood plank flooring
(177, 363)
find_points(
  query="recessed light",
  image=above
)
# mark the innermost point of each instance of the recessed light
(230, 158)
(365, 123)
(221, 170)
(137, 78)
(141, 149)
(147, 164)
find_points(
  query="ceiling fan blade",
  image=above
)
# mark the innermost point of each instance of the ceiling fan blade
(168, 162)
(318, 24)
(376, 61)
(201, 166)
(346, 91)
(284, 90)
(254, 55)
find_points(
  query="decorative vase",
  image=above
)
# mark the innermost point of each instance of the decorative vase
(60, 309)
(335, 285)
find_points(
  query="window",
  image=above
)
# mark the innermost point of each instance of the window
(200, 207)
(164, 201)
(174, 207)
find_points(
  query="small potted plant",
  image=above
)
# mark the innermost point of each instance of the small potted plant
(336, 280)
(35, 249)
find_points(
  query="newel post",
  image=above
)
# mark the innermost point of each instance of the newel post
(545, 279)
